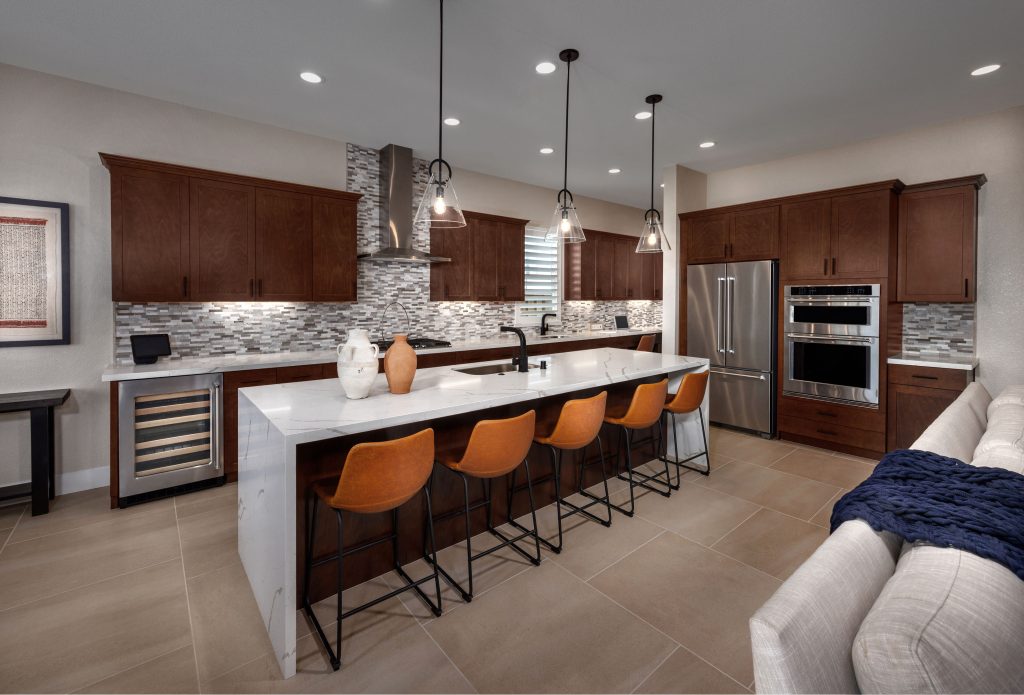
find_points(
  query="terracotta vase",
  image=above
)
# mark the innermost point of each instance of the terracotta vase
(400, 364)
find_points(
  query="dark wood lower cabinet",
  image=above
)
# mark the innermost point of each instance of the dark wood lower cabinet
(918, 395)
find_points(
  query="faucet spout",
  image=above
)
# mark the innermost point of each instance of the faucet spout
(544, 323)
(524, 360)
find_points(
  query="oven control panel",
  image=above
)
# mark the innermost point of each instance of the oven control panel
(833, 291)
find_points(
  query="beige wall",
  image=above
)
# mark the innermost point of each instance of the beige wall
(992, 145)
(685, 190)
(50, 132)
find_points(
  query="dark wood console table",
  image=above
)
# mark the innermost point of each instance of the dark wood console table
(40, 405)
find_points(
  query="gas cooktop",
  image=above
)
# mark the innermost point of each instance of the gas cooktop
(419, 343)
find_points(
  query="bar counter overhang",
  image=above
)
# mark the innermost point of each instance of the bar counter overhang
(290, 435)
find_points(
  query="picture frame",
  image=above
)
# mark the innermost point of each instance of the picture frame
(35, 273)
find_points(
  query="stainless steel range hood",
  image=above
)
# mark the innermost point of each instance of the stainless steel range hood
(396, 211)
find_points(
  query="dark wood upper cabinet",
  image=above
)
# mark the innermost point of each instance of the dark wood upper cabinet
(806, 239)
(149, 235)
(284, 246)
(334, 250)
(651, 280)
(579, 268)
(458, 274)
(604, 264)
(222, 241)
(863, 228)
(635, 281)
(707, 238)
(486, 242)
(512, 269)
(488, 260)
(754, 234)
(937, 241)
(621, 266)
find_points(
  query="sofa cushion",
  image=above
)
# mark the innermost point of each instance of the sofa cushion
(955, 433)
(946, 622)
(1011, 395)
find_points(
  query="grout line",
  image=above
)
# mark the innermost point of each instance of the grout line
(125, 670)
(623, 557)
(649, 540)
(13, 529)
(822, 507)
(188, 602)
(726, 535)
(660, 664)
(446, 655)
(115, 517)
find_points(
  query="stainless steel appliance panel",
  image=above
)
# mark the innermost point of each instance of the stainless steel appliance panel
(705, 308)
(842, 313)
(741, 399)
(839, 368)
(749, 315)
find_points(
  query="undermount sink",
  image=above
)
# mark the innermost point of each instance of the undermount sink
(492, 369)
(551, 337)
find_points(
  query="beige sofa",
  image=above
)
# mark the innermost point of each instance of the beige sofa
(870, 613)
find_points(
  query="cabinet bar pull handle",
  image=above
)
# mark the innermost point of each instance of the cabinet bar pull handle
(725, 250)
(925, 376)
(825, 413)
(259, 287)
(824, 269)
(966, 293)
(252, 289)
(833, 265)
(184, 285)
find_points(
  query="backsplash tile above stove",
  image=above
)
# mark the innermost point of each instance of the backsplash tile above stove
(938, 329)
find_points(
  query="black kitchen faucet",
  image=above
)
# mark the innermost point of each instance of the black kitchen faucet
(523, 361)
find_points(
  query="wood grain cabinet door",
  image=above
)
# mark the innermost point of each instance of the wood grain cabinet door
(572, 270)
(621, 266)
(604, 265)
(911, 409)
(458, 278)
(588, 268)
(512, 268)
(149, 236)
(659, 274)
(936, 245)
(861, 233)
(334, 250)
(649, 272)
(805, 253)
(222, 240)
(635, 283)
(754, 234)
(486, 244)
(284, 246)
(707, 238)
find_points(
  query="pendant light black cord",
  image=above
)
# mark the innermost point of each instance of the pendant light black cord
(440, 92)
(652, 154)
(565, 147)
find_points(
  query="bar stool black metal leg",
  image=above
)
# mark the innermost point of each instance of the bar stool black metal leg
(681, 463)
(624, 435)
(336, 656)
(433, 553)
(556, 462)
(533, 512)
(594, 499)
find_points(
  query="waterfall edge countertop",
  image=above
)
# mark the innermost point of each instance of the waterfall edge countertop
(271, 360)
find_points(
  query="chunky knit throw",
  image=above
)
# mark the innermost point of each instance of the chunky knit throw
(922, 496)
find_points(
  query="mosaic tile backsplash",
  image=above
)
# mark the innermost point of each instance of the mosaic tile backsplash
(207, 329)
(938, 329)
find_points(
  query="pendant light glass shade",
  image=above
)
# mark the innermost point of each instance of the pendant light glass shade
(652, 236)
(565, 225)
(439, 206)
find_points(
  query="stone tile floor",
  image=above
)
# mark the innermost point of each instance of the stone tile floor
(154, 598)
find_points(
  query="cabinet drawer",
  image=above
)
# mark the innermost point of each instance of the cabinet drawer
(930, 377)
(302, 372)
(833, 413)
(249, 377)
(833, 432)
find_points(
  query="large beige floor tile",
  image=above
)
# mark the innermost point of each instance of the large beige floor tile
(9, 515)
(824, 514)
(754, 449)
(784, 492)
(82, 636)
(209, 540)
(80, 509)
(697, 512)
(772, 542)
(546, 631)
(33, 569)
(171, 673)
(211, 499)
(699, 597)
(832, 470)
(226, 623)
(684, 672)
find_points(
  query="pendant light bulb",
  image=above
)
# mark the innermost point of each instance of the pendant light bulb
(652, 238)
(565, 225)
(439, 205)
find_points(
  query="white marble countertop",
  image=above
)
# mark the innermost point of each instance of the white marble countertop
(312, 410)
(965, 362)
(234, 363)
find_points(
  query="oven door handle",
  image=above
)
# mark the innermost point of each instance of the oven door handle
(850, 299)
(844, 340)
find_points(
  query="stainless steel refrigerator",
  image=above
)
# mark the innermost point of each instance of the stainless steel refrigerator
(731, 320)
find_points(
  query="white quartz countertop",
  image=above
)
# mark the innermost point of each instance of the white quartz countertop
(965, 362)
(234, 363)
(313, 410)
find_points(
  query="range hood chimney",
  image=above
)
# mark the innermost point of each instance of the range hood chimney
(396, 212)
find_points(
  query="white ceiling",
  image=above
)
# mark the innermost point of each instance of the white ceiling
(763, 78)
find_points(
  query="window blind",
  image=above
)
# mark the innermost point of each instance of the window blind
(541, 276)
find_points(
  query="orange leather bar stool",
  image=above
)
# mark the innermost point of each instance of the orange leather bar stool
(377, 477)
(686, 400)
(496, 448)
(578, 426)
(646, 344)
(644, 411)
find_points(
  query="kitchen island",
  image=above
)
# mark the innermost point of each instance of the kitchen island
(292, 434)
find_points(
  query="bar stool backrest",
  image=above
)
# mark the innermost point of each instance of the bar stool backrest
(646, 406)
(379, 476)
(690, 394)
(496, 447)
(646, 344)
(579, 422)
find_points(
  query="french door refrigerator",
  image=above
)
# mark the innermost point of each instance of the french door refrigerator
(731, 320)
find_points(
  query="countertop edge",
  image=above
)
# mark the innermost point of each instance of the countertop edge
(968, 364)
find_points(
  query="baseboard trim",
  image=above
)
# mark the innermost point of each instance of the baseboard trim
(75, 481)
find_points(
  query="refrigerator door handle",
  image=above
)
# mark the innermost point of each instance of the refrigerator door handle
(759, 377)
(731, 291)
(721, 316)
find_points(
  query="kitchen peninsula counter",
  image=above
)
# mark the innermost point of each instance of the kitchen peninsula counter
(291, 434)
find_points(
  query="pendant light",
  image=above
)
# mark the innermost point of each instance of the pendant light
(565, 223)
(652, 236)
(439, 206)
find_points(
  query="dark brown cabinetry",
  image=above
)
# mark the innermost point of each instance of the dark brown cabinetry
(487, 260)
(806, 239)
(937, 241)
(707, 238)
(607, 266)
(746, 234)
(184, 234)
(918, 395)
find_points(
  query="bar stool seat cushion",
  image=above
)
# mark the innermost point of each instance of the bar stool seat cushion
(690, 394)
(578, 424)
(496, 447)
(644, 409)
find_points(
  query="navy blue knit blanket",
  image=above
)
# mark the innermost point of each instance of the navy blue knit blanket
(922, 496)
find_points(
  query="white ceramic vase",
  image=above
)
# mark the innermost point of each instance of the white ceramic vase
(357, 364)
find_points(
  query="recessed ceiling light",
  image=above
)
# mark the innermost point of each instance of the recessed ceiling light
(452, 121)
(985, 69)
(642, 116)
(707, 144)
(311, 77)
(545, 68)
(614, 170)
(546, 150)
(662, 185)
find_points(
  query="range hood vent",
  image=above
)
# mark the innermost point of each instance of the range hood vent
(396, 212)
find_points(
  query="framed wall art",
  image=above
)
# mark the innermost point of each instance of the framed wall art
(35, 273)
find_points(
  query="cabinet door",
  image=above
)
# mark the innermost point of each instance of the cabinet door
(806, 240)
(284, 240)
(486, 243)
(588, 268)
(572, 270)
(621, 267)
(222, 241)
(232, 382)
(861, 234)
(604, 264)
(754, 234)
(458, 280)
(334, 250)
(149, 236)
(707, 238)
(437, 270)
(659, 273)
(936, 245)
(911, 409)
(648, 279)
(511, 269)
(635, 284)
